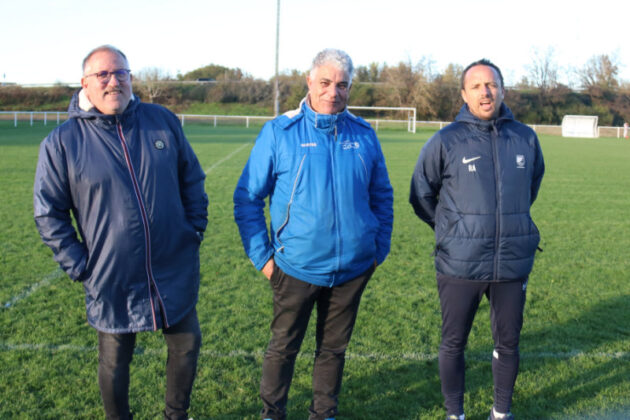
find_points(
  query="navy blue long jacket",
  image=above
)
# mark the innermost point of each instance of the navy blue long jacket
(474, 184)
(136, 190)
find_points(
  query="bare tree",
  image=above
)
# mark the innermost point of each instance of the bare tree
(445, 93)
(543, 71)
(407, 85)
(600, 73)
(403, 82)
(151, 81)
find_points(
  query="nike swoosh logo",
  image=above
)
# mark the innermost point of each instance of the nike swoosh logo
(465, 161)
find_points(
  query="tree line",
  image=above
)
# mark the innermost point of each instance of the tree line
(538, 98)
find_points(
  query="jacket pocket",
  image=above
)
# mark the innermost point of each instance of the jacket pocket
(536, 234)
(445, 226)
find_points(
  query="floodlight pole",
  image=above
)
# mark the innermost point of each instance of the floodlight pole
(276, 102)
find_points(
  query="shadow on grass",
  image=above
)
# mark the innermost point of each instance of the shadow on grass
(588, 365)
(566, 369)
(383, 390)
(575, 369)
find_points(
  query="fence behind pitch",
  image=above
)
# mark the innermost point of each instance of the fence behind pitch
(52, 118)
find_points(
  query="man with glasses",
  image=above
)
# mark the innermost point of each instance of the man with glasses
(124, 171)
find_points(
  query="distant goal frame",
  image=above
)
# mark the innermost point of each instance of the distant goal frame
(584, 126)
(411, 114)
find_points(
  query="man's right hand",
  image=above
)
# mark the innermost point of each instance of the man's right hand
(267, 270)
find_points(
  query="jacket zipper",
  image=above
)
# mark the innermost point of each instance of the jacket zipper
(497, 180)
(286, 220)
(147, 234)
(334, 206)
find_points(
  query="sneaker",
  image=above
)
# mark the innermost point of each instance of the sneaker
(455, 417)
(508, 416)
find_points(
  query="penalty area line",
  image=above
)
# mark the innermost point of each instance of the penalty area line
(416, 357)
(31, 289)
(226, 158)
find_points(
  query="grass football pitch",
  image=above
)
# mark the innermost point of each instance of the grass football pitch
(575, 343)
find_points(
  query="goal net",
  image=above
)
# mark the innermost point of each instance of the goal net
(580, 126)
(387, 117)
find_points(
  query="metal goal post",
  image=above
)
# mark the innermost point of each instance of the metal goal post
(411, 114)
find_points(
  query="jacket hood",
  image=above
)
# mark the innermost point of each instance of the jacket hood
(465, 116)
(81, 107)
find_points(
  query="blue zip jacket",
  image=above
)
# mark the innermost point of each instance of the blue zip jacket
(331, 202)
(474, 184)
(136, 190)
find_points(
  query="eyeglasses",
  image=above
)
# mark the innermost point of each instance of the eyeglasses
(104, 76)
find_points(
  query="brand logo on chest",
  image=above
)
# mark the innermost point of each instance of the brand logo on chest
(468, 161)
(347, 144)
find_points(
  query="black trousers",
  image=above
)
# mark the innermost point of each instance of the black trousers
(293, 302)
(459, 300)
(115, 352)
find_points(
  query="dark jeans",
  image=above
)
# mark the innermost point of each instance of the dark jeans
(115, 352)
(293, 302)
(460, 300)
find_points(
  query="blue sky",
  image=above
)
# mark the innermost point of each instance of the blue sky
(45, 41)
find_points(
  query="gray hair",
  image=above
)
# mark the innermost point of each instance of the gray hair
(338, 58)
(105, 47)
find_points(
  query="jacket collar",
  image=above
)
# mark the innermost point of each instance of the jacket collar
(81, 107)
(324, 122)
(465, 116)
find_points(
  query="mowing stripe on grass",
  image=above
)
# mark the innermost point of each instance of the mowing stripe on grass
(31, 289)
(416, 357)
(227, 157)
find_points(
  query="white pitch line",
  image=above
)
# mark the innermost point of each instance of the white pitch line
(227, 157)
(26, 293)
(418, 357)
